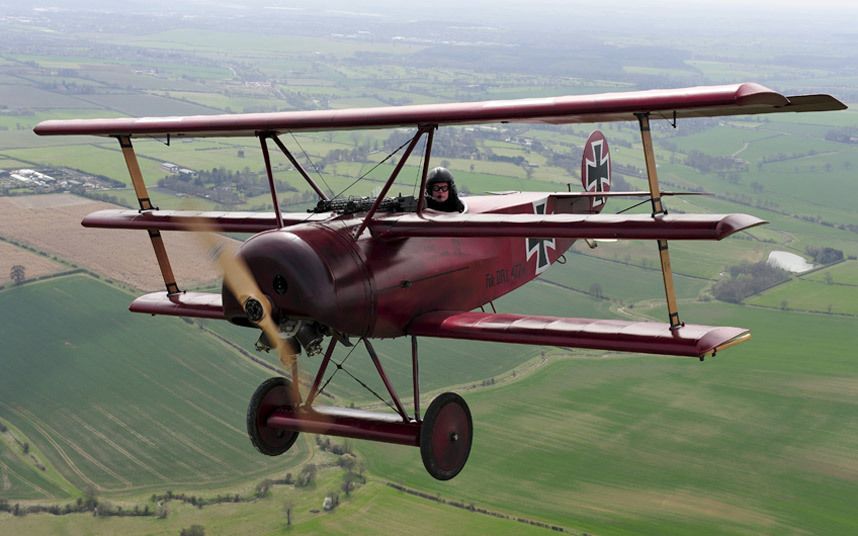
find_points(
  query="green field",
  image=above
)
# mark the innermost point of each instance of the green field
(619, 281)
(811, 295)
(127, 407)
(374, 508)
(757, 440)
(845, 273)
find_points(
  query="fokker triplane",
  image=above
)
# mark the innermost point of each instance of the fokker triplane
(356, 270)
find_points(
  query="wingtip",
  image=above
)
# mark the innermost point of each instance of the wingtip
(733, 223)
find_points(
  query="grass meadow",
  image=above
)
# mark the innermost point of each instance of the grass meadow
(811, 295)
(758, 440)
(118, 405)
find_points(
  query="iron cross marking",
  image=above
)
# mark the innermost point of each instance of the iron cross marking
(597, 172)
(539, 246)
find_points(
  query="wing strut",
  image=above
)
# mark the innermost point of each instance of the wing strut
(146, 205)
(395, 173)
(298, 167)
(265, 156)
(421, 196)
(659, 210)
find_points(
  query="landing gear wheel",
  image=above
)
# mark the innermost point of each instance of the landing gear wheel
(273, 393)
(445, 436)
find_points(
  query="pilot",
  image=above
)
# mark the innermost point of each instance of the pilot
(441, 191)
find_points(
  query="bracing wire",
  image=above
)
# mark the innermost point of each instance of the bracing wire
(310, 160)
(636, 205)
(341, 366)
(386, 158)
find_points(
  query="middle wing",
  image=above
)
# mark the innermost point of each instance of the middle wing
(626, 226)
(184, 220)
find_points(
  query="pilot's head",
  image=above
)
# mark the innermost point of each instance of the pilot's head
(440, 184)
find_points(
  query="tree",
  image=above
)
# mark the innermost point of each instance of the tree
(90, 497)
(193, 530)
(18, 274)
(308, 474)
(288, 506)
(263, 489)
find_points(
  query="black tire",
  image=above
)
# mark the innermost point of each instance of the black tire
(273, 393)
(446, 435)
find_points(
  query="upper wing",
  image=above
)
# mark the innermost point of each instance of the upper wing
(614, 335)
(626, 226)
(748, 98)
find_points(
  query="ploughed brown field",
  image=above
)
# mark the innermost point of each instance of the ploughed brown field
(35, 265)
(51, 223)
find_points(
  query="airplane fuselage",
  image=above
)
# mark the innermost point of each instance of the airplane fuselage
(374, 286)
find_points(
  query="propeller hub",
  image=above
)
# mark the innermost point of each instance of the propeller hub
(254, 309)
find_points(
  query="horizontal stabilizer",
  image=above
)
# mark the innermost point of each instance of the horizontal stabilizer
(184, 220)
(190, 304)
(625, 226)
(613, 335)
(702, 101)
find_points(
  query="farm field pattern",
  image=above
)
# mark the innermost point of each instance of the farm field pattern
(760, 439)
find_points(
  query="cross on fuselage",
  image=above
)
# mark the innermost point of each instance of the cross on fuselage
(539, 246)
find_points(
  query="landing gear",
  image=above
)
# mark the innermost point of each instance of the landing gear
(277, 415)
(446, 436)
(272, 394)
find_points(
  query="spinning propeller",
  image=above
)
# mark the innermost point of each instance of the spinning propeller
(240, 281)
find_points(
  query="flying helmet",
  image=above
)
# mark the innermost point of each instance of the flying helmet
(440, 174)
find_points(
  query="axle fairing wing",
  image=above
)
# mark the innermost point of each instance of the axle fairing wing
(703, 101)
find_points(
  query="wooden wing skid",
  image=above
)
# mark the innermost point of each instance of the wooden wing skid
(612, 335)
(183, 220)
(704, 101)
(603, 226)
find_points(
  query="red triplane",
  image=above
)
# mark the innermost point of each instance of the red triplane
(390, 267)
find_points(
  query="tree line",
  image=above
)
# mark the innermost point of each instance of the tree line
(747, 279)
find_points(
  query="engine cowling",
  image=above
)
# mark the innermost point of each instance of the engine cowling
(313, 273)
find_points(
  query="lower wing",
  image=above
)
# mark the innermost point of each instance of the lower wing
(616, 335)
